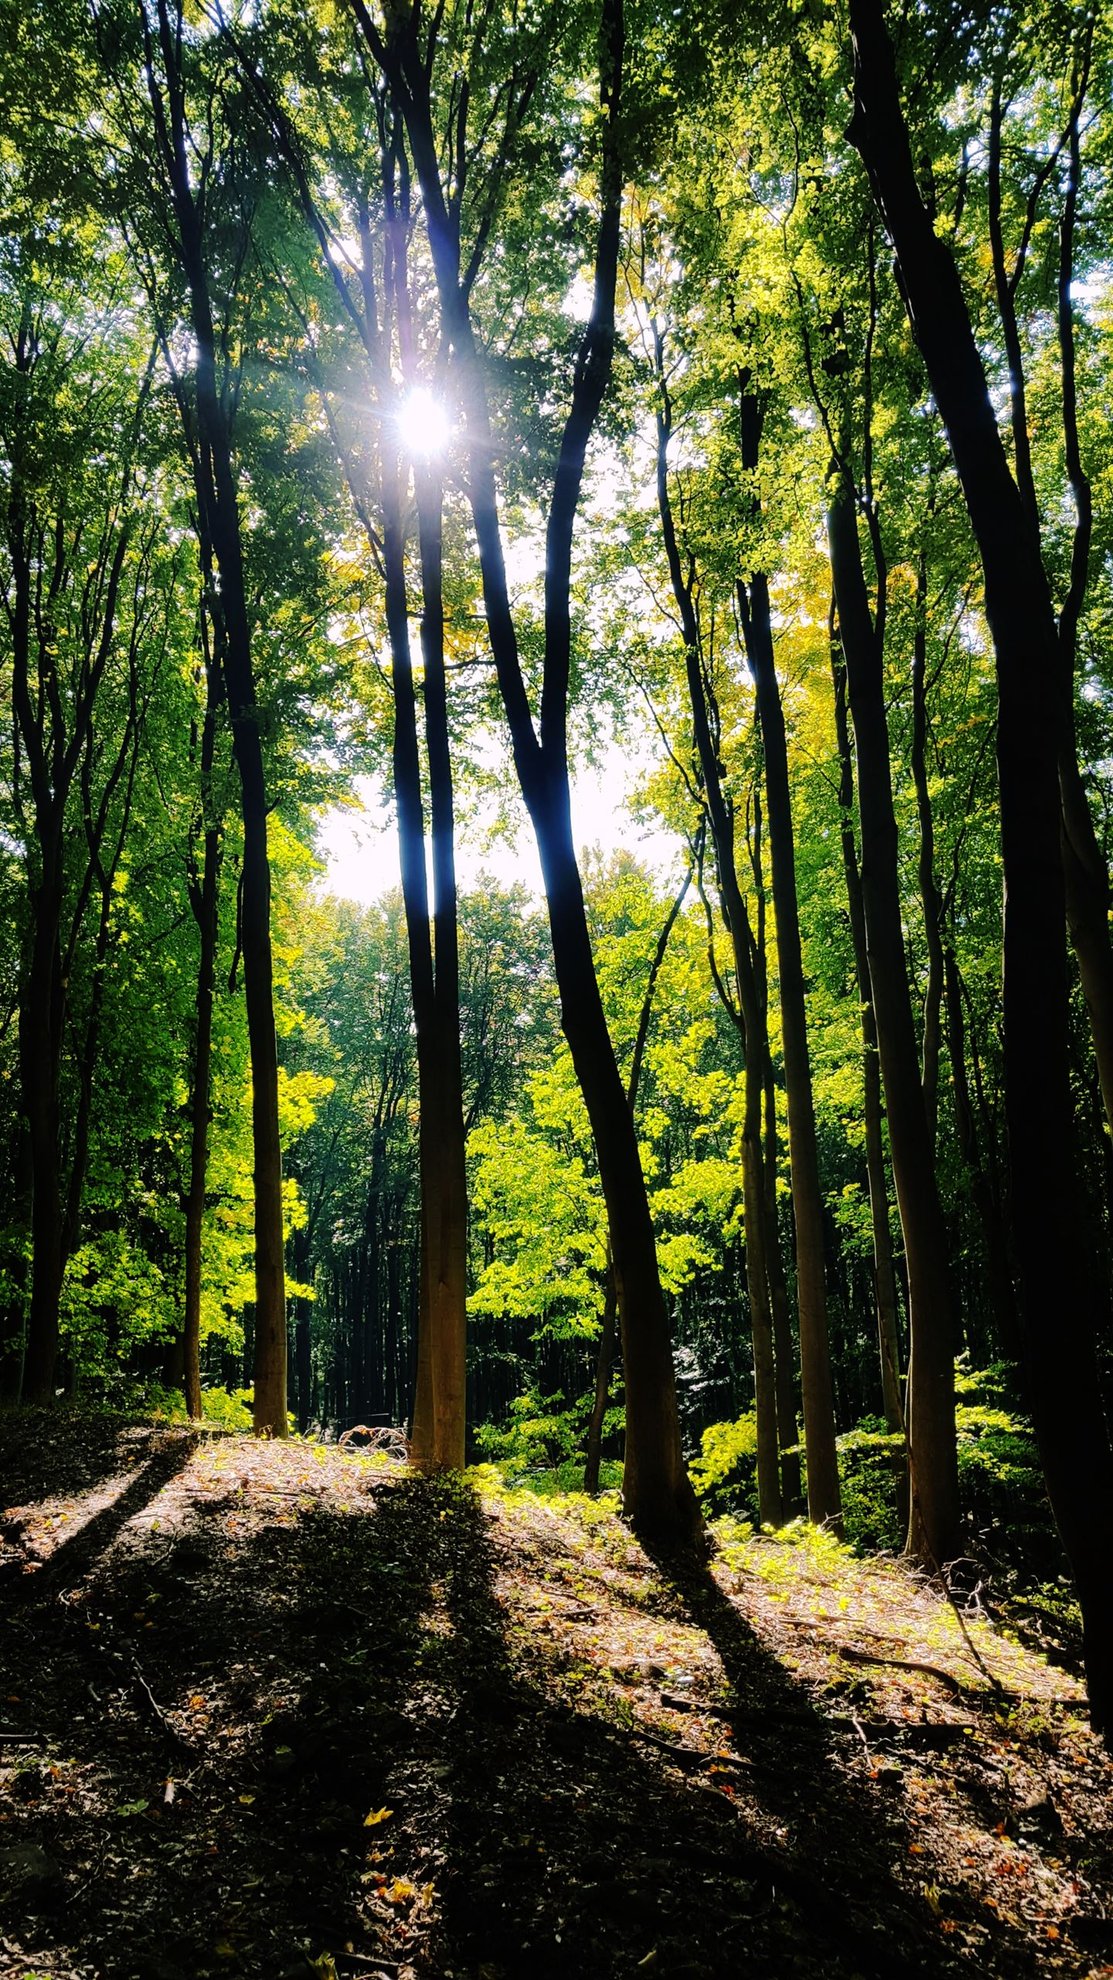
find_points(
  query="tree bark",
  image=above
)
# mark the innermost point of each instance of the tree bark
(784, 1359)
(219, 520)
(885, 1284)
(933, 1532)
(608, 1332)
(657, 1491)
(1058, 1296)
(824, 1501)
(203, 900)
(1002, 1293)
(930, 902)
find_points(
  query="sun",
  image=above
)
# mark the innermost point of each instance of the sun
(424, 424)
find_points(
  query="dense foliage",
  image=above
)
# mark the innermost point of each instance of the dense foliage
(765, 384)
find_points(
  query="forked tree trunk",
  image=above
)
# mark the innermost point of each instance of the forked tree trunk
(657, 1491)
(1059, 1298)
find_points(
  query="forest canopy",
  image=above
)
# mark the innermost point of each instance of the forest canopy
(439, 400)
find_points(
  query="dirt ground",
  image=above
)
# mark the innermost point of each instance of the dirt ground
(277, 1710)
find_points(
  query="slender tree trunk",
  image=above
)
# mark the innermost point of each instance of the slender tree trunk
(218, 508)
(824, 1501)
(934, 1523)
(608, 1341)
(769, 1499)
(40, 1040)
(764, 1270)
(657, 1491)
(55, 739)
(608, 1330)
(205, 908)
(884, 1277)
(1059, 1299)
(929, 892)
(1002, 1293)
(447, 1215)
(784, 1359)
(439, 1406)
(760, 1230)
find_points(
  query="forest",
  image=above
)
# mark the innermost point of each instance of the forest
(426, 413)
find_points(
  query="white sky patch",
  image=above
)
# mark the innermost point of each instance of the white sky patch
(359, 843)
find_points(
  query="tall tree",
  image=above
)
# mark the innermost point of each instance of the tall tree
(1052, 1258)
(807, 1204)
(81, 605)
(198, 196)
(657, 1492)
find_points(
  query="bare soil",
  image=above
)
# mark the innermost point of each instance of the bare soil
(277, 1710)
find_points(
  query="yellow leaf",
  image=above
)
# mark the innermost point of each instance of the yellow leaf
(376, 1816)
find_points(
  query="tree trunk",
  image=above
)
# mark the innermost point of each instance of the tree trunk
(607, 1332)
(760, 1228)
(824, 1501)
(203, 899)
(1002, 1293)
(41, 1018)
(446, 1216)
(934, 1524)
(219, 522)
(657, 1491)
(884, 1277)
(784, 1359)
(929, 892)
(1059, 1303)
(608, 1339)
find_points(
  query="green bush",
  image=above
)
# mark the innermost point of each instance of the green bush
(539, 1435)
(725, 1472)
(221, 1409)
(545, 1436)
(871, 1461)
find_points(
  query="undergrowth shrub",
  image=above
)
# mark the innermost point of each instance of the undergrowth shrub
(871, 1460)
(542, 1442)
(1004, 1504)
(725, 1472)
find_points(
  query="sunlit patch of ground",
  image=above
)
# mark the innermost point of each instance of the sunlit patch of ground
(277, 1709)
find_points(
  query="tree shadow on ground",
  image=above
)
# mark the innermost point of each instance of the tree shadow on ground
(75, 1555)
(227, 1701)
(217, 1714)
(59, 1451)
(571, 1848)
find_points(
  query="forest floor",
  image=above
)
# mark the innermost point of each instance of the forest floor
(282, 1710)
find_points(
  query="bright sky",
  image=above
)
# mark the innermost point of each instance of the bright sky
(360, 845)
